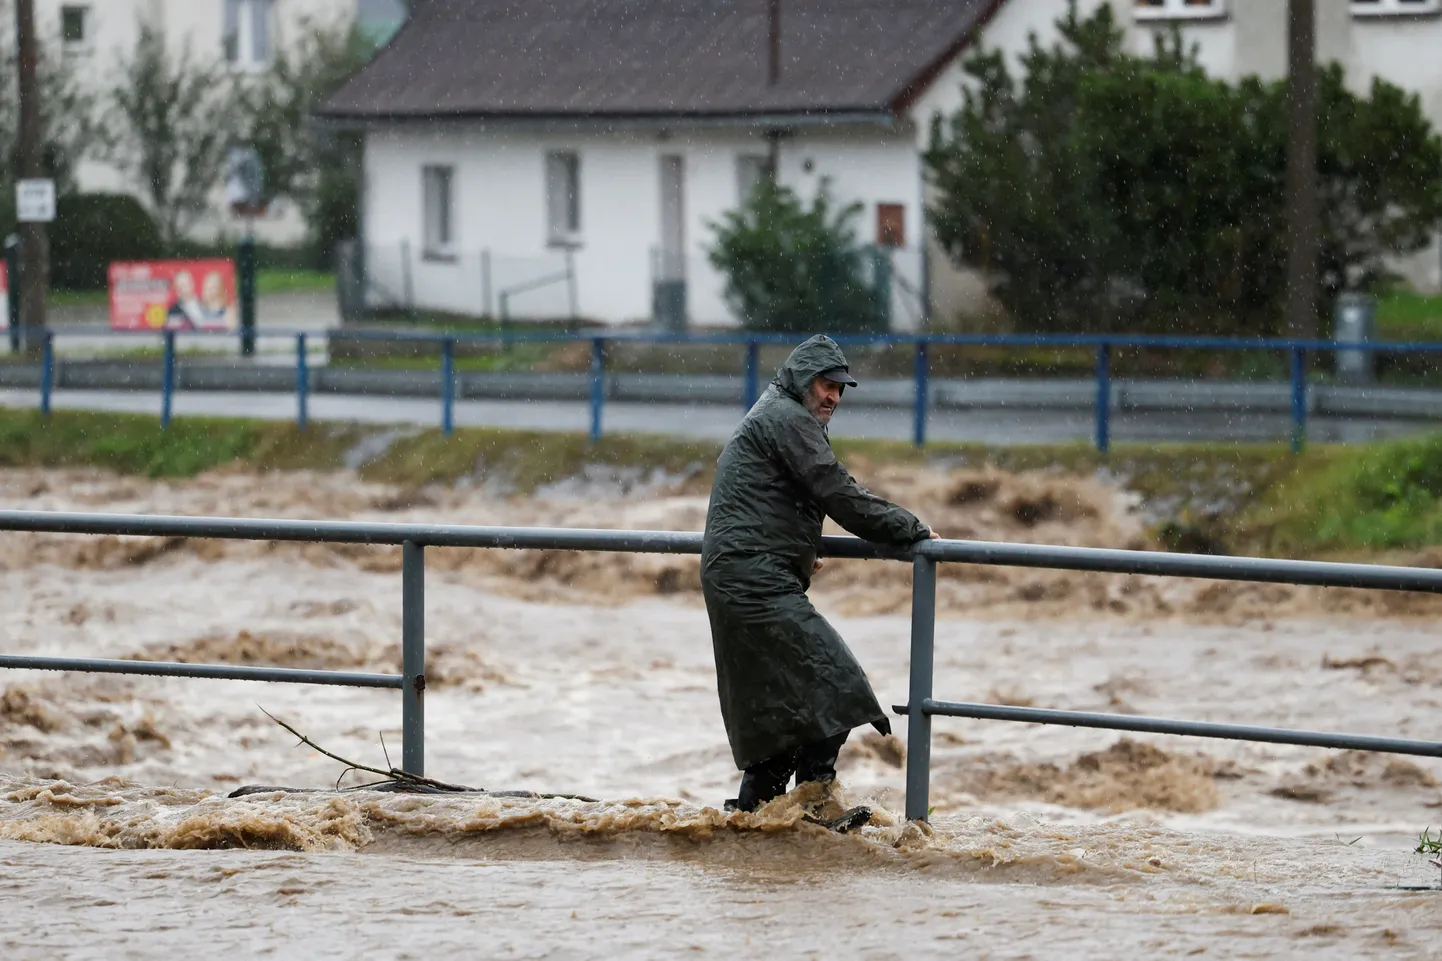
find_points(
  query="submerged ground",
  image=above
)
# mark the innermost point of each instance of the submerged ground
(592, 674)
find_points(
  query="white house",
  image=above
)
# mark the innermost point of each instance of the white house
(95, 37)
(568, 158)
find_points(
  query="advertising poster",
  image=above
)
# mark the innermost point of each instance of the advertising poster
(173, 295)
(4, 297)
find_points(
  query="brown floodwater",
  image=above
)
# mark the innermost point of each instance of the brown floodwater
(593, 676)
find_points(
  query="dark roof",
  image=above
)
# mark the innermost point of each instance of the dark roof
(656, 58)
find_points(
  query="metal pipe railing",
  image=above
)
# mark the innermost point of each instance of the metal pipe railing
(1296, 352)
(924, 556)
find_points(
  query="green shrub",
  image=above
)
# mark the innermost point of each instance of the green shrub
(90, 231)
(794, 269)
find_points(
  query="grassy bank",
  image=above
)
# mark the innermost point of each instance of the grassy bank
(1364, 500)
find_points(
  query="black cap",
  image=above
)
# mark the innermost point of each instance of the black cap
(839, 375)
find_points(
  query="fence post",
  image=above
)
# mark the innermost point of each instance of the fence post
(1104, 397)
(167, 380)
(486, 282)
(12, 290)
(505, 321)
(406, 289)
(598, 385)
(413, 658)
(448, 386)
(921, 391)
(918, 722)
(1299, 399)
(302, 383)
(47, 372)
(245, 293)
(753, 350)
(571, 292)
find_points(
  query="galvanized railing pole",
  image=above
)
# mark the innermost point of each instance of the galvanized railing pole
(413, 658)
(448, 386)
(1104, 397)
(1299, 399)
(167, 380)
(47, 372)
(302, 383)
(753, 360)
(918, 723)
(919, 427)
(598, 386)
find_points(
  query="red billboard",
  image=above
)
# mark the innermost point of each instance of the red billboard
(173, 295)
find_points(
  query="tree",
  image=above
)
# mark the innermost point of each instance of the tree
(71, 127)
(317, 168)
(172, 120)
(1107, 191)
(793, 268)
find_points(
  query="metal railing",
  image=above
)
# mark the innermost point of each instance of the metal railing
(924, 557)
(1102, 345)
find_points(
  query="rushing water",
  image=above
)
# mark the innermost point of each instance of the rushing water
(553, 674)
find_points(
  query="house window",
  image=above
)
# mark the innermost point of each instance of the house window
(438, 205)
(1384, 8)
(248, 32)
(74, 24)
(563, 197)
(1179, 9)
(751, 171)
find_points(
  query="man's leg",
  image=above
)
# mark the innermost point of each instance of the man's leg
(817, 761)
(764, 782)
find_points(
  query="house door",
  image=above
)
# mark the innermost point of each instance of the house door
(669, 295)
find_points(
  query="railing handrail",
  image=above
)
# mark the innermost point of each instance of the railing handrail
(925, 556)
(992, 553)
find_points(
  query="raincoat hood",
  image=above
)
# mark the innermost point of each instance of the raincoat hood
(806, 362)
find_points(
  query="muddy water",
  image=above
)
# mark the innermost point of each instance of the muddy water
(116, 839)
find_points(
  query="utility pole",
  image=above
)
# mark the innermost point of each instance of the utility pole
(1303, 217)
(34, 239)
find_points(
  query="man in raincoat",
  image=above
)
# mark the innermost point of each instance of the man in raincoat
(791, 690)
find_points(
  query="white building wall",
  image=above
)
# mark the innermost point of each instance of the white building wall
(500, 207)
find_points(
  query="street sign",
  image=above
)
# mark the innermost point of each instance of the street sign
(35, 201)
(245, 182)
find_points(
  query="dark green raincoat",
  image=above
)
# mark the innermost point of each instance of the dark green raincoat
(786, 678)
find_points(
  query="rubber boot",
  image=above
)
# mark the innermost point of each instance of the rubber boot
(762, 783)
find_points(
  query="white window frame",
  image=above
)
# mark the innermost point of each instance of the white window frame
(239, 44)
(1180, 10)
(438, 212)
(563, 198)
(87, 28)
(1395, 8)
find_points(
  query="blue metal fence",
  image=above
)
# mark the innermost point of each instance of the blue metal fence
(924, 557)
(1104, 347)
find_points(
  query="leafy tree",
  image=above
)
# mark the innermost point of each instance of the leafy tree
(794, 268)
(70, 116)
(317, 168)
(1109, 191)
(172, 120)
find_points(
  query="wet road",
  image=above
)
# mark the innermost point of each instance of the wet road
(714, 421)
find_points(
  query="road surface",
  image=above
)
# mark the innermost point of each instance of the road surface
(713, 421)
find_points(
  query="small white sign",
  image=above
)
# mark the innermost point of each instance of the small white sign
(35, 201)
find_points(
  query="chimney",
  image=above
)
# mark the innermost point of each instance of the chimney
(773, 71)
